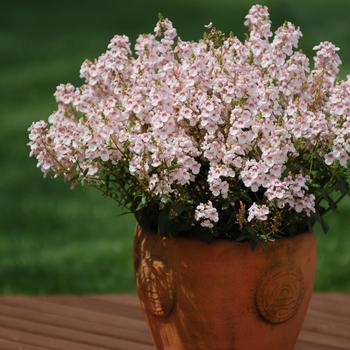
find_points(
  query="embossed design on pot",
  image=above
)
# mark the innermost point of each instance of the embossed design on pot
(156, 281)
(280, 294)
(138, 242)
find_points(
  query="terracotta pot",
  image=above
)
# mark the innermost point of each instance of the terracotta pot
(223, 295)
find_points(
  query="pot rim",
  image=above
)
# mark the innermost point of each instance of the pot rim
(219, 240)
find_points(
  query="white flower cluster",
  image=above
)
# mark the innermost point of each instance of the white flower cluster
(221, 116)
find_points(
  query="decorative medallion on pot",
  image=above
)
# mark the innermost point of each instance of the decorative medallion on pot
(154, 278)
(280, 293)
(156, 281)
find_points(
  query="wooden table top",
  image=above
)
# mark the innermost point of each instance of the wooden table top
(103, 322)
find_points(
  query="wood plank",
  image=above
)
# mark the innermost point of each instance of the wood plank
(327, 327)
(126, 299)
(48, 343)
(325, 316)
(84, 326)
(9, 345)
(303, 345)
(68, 334)
(95, 304)
(335, 305)
(327, 324)
(318, 338)
(75, 313)
(101, 322)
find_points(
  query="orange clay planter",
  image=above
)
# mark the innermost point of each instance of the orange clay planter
(223, 295)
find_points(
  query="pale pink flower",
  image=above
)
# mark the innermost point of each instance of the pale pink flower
(206, 214)
(177, 115)
(258, 212)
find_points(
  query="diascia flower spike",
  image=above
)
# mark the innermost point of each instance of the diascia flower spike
(243, 140)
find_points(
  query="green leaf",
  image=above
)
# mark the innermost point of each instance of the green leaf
(331, 203)
(241, 237)
(178, 208)
(323, 223)
(147, 217)
(253, 240)
(202, 233)
(172, 226)
(342, 184)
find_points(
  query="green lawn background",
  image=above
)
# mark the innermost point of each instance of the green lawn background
(53, 240)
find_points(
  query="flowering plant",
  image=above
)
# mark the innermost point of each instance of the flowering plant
(219, 138)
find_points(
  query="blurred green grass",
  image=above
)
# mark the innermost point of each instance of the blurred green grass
(53, 240)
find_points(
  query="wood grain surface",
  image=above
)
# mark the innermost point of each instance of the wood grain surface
(101, 322)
